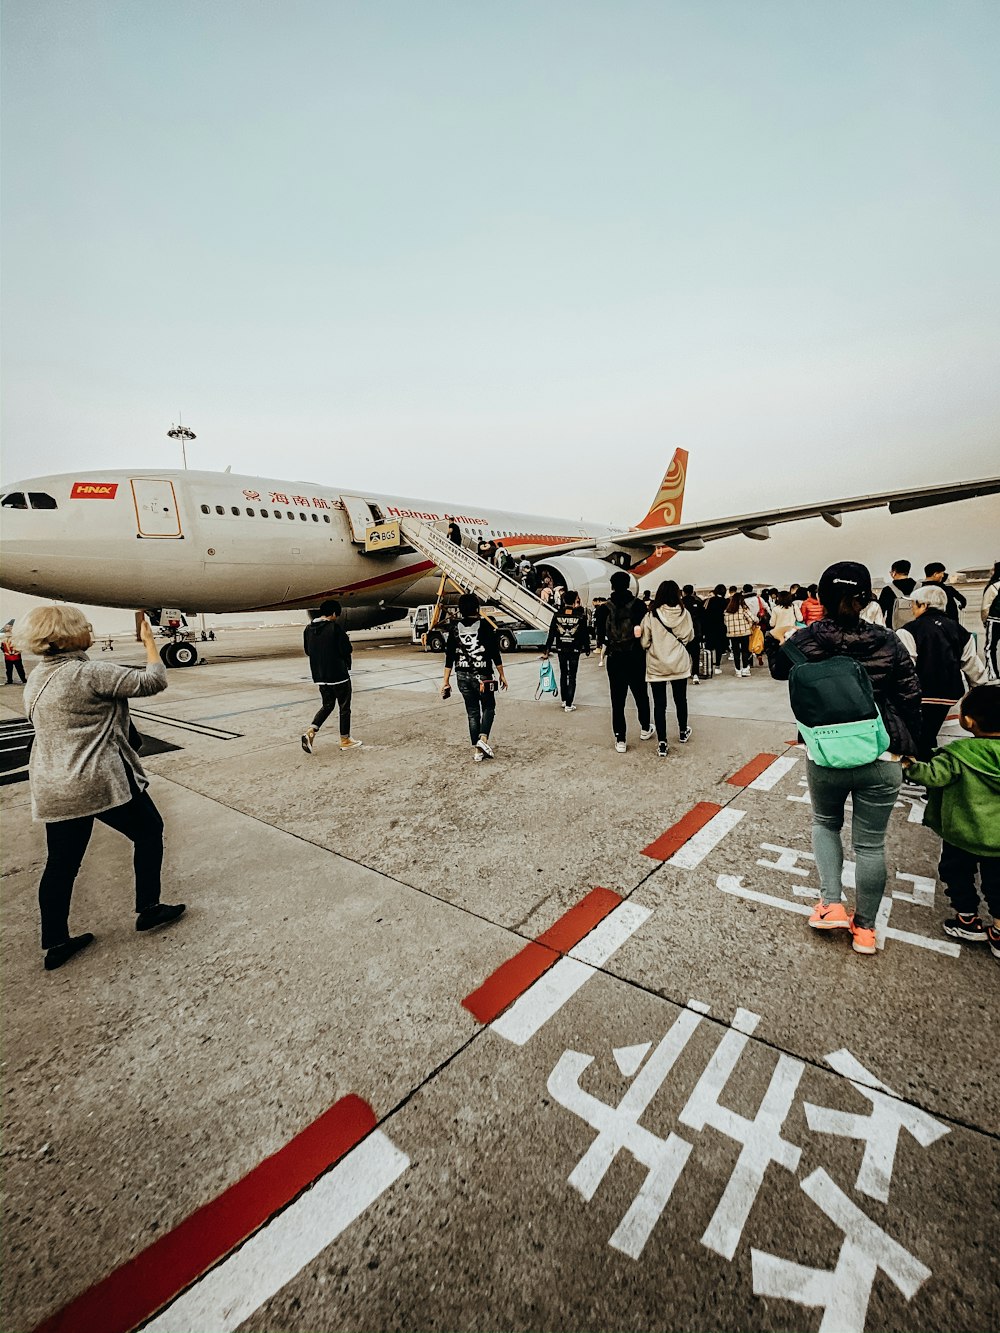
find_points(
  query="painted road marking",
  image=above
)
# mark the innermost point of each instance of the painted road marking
(230, 1293)
(502, 987)
(678, 834)
(744, 776)
(544, 999)
(144, 1284)
(732, 884)
(697, 848)
(773, 774)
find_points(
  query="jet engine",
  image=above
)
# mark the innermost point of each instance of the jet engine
(587, 576)
(369, 617)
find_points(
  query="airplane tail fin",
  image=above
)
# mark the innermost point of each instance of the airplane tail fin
(666, 508)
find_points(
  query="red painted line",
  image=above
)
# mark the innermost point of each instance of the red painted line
(677, 834)
(752, 770)
(134, 1292)
(511, 979)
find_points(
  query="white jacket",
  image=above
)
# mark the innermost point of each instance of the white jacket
(665, 631)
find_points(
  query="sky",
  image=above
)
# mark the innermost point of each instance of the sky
(516, 253)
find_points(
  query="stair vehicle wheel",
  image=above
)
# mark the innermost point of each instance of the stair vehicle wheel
(435, 641)
(506, 641)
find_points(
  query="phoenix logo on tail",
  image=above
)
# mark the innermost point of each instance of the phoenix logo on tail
(666, 508)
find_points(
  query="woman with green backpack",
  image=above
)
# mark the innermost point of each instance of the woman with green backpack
(856, 697)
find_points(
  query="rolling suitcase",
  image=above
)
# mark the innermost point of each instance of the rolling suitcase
(706, 663)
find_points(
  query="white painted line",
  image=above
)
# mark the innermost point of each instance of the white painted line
(773, 774)
(536, 1006)
(697, 848)
(731, 884)
(228, 1295)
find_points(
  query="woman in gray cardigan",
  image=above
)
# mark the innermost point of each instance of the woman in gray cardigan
(83, 767)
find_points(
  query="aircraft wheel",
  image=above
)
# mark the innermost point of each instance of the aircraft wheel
(167, 654)
(184, 655)
(507, 642)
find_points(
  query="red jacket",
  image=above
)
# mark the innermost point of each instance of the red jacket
(812, 609)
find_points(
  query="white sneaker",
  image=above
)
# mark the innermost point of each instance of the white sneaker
(647, 735)
(483, 745)
(621, 747)
(695, 680)
(569, 708)
(477, 756)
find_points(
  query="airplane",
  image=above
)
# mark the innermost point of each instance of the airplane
(220, 542)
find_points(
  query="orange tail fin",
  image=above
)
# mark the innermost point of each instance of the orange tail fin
(666, 508)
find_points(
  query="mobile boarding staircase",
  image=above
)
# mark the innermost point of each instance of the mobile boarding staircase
(467, 571)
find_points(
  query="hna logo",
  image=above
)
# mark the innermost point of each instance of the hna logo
(93, 490)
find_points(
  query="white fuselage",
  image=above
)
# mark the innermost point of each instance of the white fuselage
(209, 541)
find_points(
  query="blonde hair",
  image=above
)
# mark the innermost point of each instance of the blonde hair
(46, 630)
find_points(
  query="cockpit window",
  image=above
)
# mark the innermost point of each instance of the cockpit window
(39, 500)
(15, 500)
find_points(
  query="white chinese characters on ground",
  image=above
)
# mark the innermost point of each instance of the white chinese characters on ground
(842, 1293)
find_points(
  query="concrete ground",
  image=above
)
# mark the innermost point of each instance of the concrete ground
(814, 1143)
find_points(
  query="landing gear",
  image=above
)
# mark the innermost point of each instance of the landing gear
(178, 654)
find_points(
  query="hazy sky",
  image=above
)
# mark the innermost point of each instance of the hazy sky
(513, 251)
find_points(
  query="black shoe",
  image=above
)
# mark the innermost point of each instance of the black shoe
(160, 915)
(62, 953)
(965, 928)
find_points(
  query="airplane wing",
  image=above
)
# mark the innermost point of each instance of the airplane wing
(693, 536)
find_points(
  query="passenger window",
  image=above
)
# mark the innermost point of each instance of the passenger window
(315, 518)
(39, 500)
(303, 516)
(263, 513)
(15, 500)
(236, 510)
(249, 513)
(205, 509)
(326, 518)
(290, 514)
(219, 509)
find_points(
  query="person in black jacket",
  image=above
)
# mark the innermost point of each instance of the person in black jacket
(695, 608)
(619, 631)
(328, 648)
(569, 635)
(714, 623)
(472, 651)
(942, 650)
(845, 590)
(937, 573)
(899, 589)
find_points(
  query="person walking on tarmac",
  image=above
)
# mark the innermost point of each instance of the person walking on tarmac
(11, 655)
(666, 633)
(943, 650)
(989, 613)
(473, 650)
(328, 648)
(937, 573)
(895, 597)
(621, 632)
(695, 608)
(716, 639)
(569, 635)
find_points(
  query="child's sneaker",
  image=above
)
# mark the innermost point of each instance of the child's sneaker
(307, 740)
(993, 935)
(348, 743)
(962, 927)
(685, 735)
(862, 939)
(830, 917)
(661, 749)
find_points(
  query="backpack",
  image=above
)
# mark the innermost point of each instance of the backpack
(834, 705)
(902, 608)
(619, 631)
(546, 680)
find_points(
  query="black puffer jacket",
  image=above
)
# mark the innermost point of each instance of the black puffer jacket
(893, 675)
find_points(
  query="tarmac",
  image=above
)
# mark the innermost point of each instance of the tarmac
(538, 1043)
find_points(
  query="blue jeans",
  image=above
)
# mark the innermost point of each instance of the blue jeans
(480, 707)
(873, 789)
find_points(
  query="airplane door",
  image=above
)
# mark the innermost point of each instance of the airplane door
(156, 508)
(360, 515)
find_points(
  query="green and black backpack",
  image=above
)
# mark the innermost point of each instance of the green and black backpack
(836, 710)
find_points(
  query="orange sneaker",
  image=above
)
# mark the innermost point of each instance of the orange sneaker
(830, 917)
(862, 940)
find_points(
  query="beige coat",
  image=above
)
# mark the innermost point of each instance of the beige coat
(665, 632)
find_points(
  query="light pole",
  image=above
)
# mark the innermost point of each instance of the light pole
(182, 433)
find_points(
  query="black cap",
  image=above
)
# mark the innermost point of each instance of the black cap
(846, 578)
(935, 568)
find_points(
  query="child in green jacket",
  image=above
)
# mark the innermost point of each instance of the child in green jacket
(963, 807)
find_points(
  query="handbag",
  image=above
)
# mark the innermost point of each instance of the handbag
(756, 644)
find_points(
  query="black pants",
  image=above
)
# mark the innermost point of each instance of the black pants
(740, 645)
(679, 689)
(332, 695)
(14, 665)
(480, 705)
(958, 874)
(932, 717)
(991, 649)
(569, 662)
(627, 671)
(694, 652)
(140, 822)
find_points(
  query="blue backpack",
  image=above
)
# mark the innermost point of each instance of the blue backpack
(834, 705)
(546, 680)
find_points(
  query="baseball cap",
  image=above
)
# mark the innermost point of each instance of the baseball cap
(846, 578)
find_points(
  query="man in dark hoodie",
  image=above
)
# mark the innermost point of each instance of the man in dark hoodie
(936, 573)
(963, 808)
(943, 650)
(619, 630)
(894, 599)
(329, 651)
